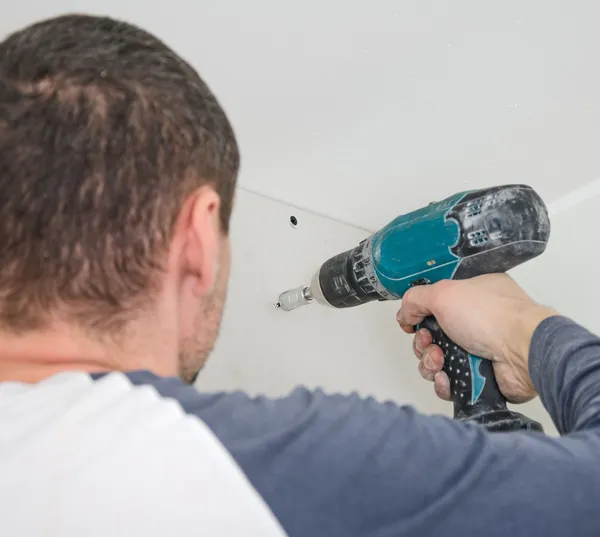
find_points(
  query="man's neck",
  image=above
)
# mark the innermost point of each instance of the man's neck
(35, 356)
(31, 372)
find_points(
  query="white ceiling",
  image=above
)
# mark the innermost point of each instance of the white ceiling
(363, 110)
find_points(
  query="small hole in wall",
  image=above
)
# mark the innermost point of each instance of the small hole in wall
(293, 222)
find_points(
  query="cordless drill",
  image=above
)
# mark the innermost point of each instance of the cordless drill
(470, 233)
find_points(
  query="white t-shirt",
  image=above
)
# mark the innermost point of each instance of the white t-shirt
(105, 458)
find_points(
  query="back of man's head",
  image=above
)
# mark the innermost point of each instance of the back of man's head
(104, 132)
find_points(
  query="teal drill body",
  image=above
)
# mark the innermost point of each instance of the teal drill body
(428, 236)
(467, 234)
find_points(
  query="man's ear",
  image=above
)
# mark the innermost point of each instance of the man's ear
(199, 226)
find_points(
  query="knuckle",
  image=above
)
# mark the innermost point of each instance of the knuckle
(407, 297)
(442, 288)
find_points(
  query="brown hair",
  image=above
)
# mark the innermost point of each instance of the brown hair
(104, 131)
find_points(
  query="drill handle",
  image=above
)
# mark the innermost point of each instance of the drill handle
(472, 381)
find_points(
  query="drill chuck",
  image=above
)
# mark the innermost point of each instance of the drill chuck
(343, 281)
(294, 298)
(303, 295)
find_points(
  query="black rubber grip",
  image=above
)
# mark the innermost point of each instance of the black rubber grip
(474, 389)
(472, 381)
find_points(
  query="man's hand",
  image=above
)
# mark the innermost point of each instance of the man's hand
(489, 316)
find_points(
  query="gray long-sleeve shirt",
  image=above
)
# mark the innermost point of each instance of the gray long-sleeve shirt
(346, 466)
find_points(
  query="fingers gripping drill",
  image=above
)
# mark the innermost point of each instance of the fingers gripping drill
(468, 234)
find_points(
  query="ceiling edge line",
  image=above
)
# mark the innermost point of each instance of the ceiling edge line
(574, 198)
(304, 209)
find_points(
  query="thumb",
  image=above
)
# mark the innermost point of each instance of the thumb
(416, 305)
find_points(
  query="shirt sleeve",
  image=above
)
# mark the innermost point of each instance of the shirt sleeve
(332, 465)
(564, 363)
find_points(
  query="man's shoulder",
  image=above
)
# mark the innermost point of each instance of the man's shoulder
(236, 415)
(233, 416)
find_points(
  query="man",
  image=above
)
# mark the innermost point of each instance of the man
(117, 173)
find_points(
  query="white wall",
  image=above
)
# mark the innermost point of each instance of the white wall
(413, 100)
(265, 351)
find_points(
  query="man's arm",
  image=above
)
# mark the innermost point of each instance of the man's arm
(565, 368)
